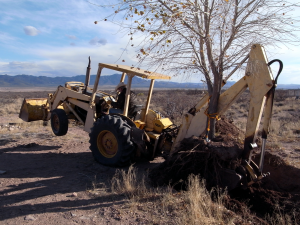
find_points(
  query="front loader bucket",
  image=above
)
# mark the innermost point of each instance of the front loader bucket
(33, 109)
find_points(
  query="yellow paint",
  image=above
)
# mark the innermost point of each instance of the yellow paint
(161, 124)
(146, 111)
(251, 171)
(153, 135)
(252, 114)
(33, 109)
(107, 144)
(139, 124)
(135, 71)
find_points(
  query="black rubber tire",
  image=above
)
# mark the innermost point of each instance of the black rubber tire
(59, 122)
(123, 153)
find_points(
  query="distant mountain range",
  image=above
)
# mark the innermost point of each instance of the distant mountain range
(110, 80)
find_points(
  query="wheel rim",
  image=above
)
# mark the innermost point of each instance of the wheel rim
(55, 122)
(107, 144)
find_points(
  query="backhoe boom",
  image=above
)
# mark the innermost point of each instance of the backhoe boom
(259, 79)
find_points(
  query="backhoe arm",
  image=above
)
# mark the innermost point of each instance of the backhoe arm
(259, 80)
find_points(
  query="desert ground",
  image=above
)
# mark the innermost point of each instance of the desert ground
(45, 179)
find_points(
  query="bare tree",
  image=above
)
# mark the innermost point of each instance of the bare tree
(206, 37)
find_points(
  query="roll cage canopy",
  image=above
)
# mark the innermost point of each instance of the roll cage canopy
(130, 72)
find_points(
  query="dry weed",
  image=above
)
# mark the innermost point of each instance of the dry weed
(10, 106)
(194, 206)
(127, 183)
(281, 218)
(202, 209)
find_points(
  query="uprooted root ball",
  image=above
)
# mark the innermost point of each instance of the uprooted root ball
(207, 159)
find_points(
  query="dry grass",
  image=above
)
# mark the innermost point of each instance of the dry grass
(203, 210)
(283, 219)
(127, 183)
(194, 206)
(285, 119)
(10, 106)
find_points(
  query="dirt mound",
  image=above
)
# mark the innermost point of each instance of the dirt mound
(207, 159)
(283, 177)
(199, 161)
(228, 130)
(220, 158)
(264, 201)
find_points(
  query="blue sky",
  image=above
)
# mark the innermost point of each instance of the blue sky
(55, 38)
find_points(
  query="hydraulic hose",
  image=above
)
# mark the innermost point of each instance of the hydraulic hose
(271, 95)
(280, 67)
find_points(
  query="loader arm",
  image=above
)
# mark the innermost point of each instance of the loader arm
(259, 80)
(63, 94)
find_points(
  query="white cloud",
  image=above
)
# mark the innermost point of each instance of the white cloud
(20, 65)
(73, 37)
(31, 31)
(6, 38)
(17, 67)
(65, 61)
(5, 19)
(98, 41)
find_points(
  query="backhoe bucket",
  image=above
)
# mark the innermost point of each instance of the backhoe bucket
(33, 109)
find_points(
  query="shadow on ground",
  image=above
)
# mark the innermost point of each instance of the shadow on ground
(39, 171)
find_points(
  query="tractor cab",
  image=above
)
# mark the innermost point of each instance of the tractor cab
(141, 114)
(131, 72)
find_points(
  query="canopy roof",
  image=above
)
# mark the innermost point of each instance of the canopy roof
(136, 71)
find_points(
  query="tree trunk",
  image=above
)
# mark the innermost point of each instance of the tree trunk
(213, 104)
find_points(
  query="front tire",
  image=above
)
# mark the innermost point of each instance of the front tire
(110, 141)
(59, 122)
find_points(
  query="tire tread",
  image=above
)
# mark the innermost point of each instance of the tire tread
(121, 131)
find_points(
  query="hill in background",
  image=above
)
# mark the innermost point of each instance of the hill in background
(111, 80)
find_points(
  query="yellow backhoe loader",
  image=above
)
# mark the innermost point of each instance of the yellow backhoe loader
(116, 139)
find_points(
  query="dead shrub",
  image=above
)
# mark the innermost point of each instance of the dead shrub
(127, 183)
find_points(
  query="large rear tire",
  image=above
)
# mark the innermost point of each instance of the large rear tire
(110, 141)
(59, 122)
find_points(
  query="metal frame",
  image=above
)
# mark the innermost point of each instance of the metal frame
(259, 80)
(131, 72)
